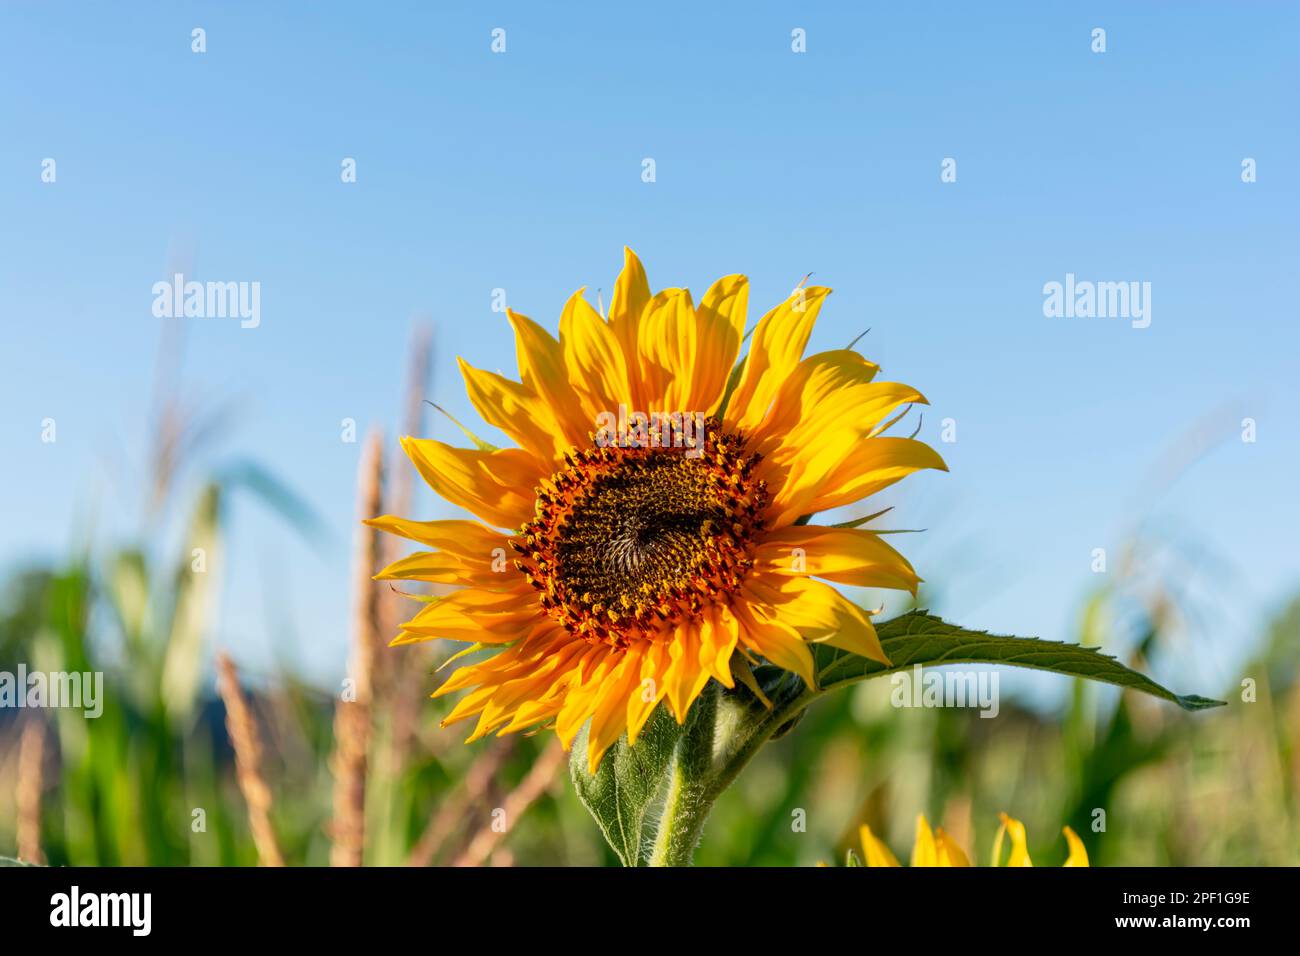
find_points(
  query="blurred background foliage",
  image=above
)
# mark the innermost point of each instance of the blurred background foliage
(174, 773)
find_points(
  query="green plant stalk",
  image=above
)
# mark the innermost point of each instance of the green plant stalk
(682, 822)
(710, 756)
(688, 800)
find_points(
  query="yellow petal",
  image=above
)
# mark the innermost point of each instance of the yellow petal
(518, 687)
(583, 694)
(816, 610)
(684, 678)
(475, 615)
(719, 633)
(667, 345)
(609, 721)
(721, 318)
(818, 379)
(1078, 852)
(865, 467)
(650, 690)
(496, 486)
(545, 642)
(631, 296)
(742, 672)
(1019, 843)
(542, 369)
(516, 410)
(873, 850)
(464, 538)
(845, 555)
(500, 711)
(774, 353)
(594, 358)
(484, 572)
(777, 641)
(947, 851)
(924, 852)
(828, 429)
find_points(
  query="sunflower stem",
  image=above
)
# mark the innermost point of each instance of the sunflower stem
(690, 793)
(739, 752)
(710, 755)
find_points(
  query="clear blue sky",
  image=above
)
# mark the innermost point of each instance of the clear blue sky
(523, 171)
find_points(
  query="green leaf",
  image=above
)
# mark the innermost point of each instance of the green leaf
(7, 861)
(920, 638)
(249, 476)
(627, 783)
(196, 587)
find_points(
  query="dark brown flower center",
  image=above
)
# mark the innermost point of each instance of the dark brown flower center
(627, 540)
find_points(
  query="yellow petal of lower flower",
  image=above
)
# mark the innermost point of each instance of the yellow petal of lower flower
(938, 848)
(924, 852)
(947, 852)
(774, 353)
(1078, 852)
(873, 850)
(1019, 843)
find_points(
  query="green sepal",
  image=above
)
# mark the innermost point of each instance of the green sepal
(627, 784)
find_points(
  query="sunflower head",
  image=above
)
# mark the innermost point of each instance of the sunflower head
(655, 509)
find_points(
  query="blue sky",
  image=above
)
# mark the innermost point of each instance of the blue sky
(522, 171)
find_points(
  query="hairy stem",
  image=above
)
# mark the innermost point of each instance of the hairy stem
(784, 709)
(690, 795)
(708, 760)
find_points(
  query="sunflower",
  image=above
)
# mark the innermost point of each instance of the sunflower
(650, 531)
(937, 848)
